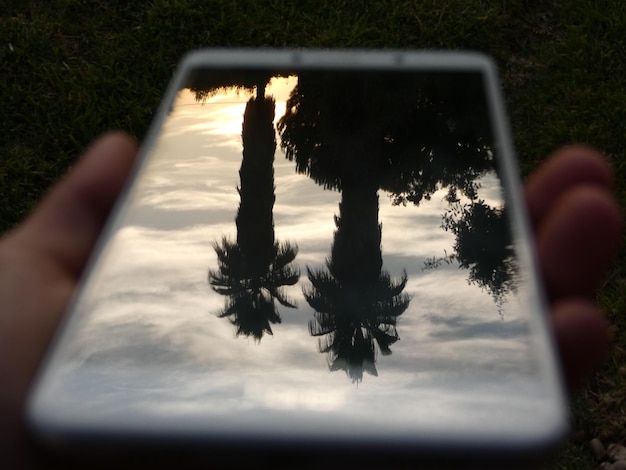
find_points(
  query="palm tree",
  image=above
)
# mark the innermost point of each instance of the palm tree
(356, 303)
(251, 291)
(253, 270)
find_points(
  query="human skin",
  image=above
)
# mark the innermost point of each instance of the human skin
(576, 221)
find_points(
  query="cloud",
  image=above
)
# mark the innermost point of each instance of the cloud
(459, 327)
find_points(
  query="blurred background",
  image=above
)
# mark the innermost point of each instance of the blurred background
(71, 69)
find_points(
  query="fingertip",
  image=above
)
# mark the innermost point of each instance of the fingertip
(104, 168)
(583, 336)
(587, 157)
(577, 241)
(565, 169)
(68, 221)
(120, 140)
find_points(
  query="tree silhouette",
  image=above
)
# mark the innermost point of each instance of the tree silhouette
(250, 305)
(483, 245)
(422, 132)
(356, 303)
(253, 271)
(206, 83)
(417, 134)
(329, 131)
(409, 135)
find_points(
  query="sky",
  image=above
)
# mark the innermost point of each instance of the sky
(145, 344)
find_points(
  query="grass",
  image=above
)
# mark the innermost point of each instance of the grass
(70, 69)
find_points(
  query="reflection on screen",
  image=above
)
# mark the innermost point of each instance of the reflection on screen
(329, 249)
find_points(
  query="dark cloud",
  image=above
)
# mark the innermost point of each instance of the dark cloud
(459, 327)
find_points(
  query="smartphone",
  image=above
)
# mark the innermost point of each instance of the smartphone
(321, 255)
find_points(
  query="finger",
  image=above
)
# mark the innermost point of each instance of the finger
(567, 168)
(68, 221)
(582, 335)
(577, 241)
(39, 262)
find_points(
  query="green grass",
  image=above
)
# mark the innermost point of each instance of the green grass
(70, 69)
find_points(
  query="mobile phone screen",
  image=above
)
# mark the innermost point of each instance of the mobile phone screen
(320, 253)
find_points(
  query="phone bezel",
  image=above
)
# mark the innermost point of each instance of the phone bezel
(337, 60)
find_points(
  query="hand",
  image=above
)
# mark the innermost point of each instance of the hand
(578, 228)
(575, 217)
(40, 263)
